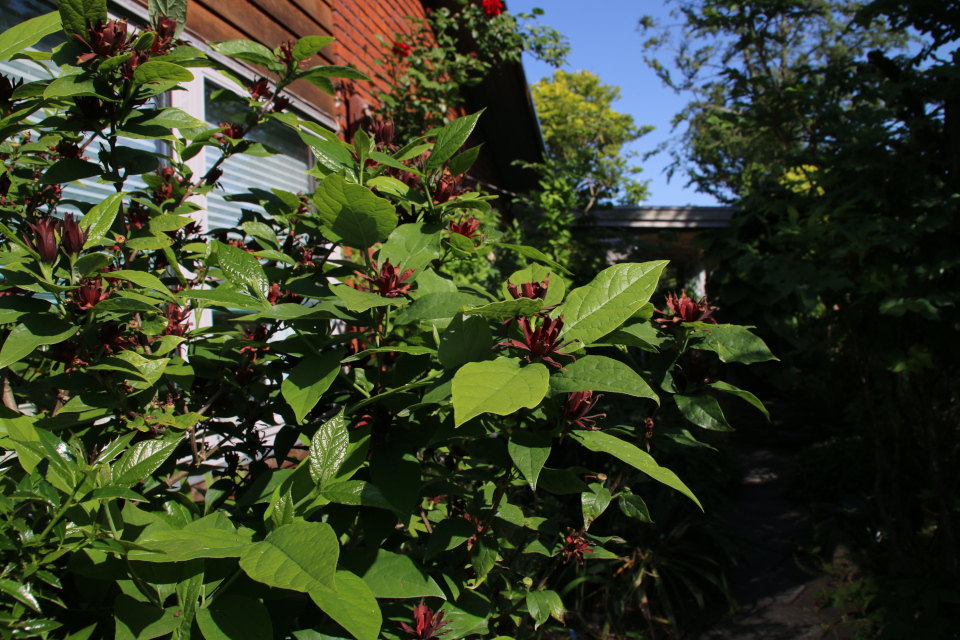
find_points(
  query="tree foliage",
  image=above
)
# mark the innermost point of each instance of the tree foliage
(840, 152)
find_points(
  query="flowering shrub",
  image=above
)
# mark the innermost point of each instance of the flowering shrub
(426, 69)
(345, 450)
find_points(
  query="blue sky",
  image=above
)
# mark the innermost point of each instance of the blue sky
(604, 40)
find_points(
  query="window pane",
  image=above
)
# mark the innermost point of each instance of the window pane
(285, 171)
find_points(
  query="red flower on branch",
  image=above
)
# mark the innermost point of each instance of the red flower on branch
(448, 188)
(90, 294)
(541, 342)
(575, 409)
(259, 90)
(163, 41)
(492, 8)
(72, 237)
(532, 290)
(229, 130)
(427, 623)
(467, 227)
(43, 240)
(107, 40)
(401, 49)
(177, 317)
(684, 309)
(576, 545)
(388, 283)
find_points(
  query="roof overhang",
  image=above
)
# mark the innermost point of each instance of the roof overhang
(663, 218)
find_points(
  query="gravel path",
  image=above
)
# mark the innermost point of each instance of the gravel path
(776, 596)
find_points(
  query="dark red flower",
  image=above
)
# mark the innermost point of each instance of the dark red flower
(259, 90)
(229, 130)
(427, 623)
(72, 237)
(274, 295)
(280, 103)
(575, 410)
(448, 188)
(134, 61)
(106, 39)
(401, 49)
(492, 8)
(137, 216)
(43, 240)
(163, 41)
(113, 340)
(541, 342)
(383, 133)
(259, 336)
(285, 52)
(177, 324)
(532, 290)
(468, 227)
(576, 545)
(7, 87)
(684, 309)
(90, 294)
(67, 149)
(213, 176)
(388, 282)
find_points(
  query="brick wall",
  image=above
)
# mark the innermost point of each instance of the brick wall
(356, 25)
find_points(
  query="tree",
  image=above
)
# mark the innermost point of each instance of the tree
(841, 158)
(585, 138)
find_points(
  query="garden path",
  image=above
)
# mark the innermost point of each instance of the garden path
(777, 597)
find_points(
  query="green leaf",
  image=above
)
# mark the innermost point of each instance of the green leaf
(225, 298)
(449, 534)
(392, 575)
(35, 331)
(309, 46)
(328, 449)
(505, 309)
(186, 544)
(331, 154)
(411, 246)
(356, 493)
(483, 557)
(141, 460)
(247, 51)
(144, 279)
(734, 343)
(398, 476)
(617, 292)
(529, 452)
(261, 231)
(75, 14)
(235, 617)
(69, 170)
(600, 373)
(543, 604)
(142, 620)
(26, 34)
(300, 556)
(241, 268)
(353, 213)
(170, 117)
(594, 503)
(466, 339)
(450, 138)
(361, 301)
(533, 254)
(159, 71)
(309, 380)
(353, 606)
(100, 218)
(414, 351)
(740, 393)
(174, 9)
(437, 306)
(462, 162)
(703, 411)
(21, 592)
(498, 386)
(639, 460)
(633, 506)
